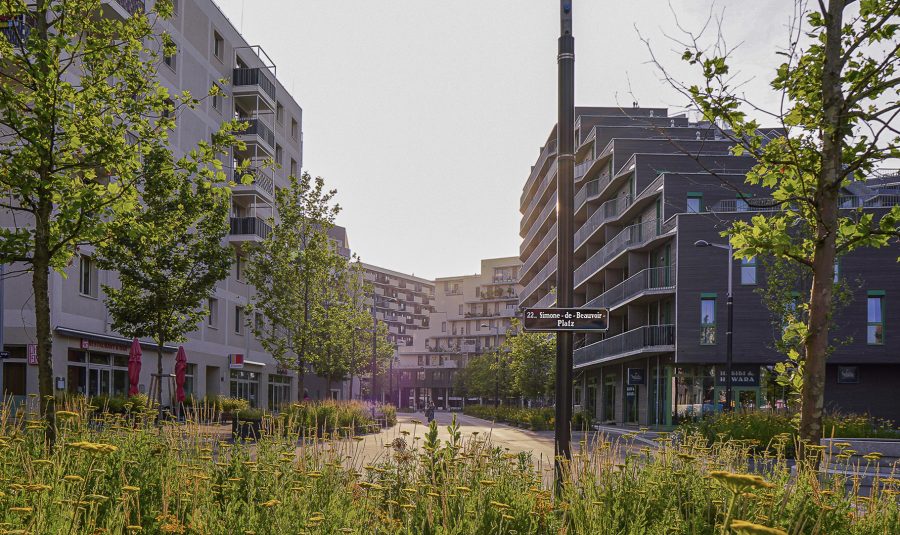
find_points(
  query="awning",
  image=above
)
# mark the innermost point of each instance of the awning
(110, 339)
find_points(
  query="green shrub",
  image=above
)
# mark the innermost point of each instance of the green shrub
(390, 415)
(249, 414)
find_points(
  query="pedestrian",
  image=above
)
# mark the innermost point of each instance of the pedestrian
(429, 412)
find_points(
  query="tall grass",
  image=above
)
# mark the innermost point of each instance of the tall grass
(120, 474)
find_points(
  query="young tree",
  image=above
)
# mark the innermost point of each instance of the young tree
(837, 85)
(477, 378)
(532, 358)
(168, 248)
(79, 102)
(291, 271)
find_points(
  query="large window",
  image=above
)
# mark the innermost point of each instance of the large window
(708, 319)
(279, 391)
(245, 385)
(96, 374)
(875, 319)
(213, 319)
(218, 45)
(87, 276)
(694, 202)
(748, 270)
(239, 319)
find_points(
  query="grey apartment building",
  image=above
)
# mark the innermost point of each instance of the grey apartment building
(648, 186)
(88, 357)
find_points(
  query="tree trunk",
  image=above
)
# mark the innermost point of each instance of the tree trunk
(159, 372)
(40, 286)
(352, 363)
(828, 189)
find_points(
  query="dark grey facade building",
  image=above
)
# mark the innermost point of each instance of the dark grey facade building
(648, 186)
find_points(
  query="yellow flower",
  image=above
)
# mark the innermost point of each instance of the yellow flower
(42, 462)
(742, 527)
(21, 509)
(738, 482)
(271, 503)
(94, 447)
(499, 505)
(67, 414)
(134, 529)
(129, 488)
(488, 482)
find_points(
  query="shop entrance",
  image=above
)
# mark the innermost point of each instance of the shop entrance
(631, 404)
(609, 397)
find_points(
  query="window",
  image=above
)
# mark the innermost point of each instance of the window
(748, 270)
(171, 61)
(295, 127)
(238, 267)
(875, 319)
(443, 326)
(837, 270)
(460, 310)
(741, 204)
(279, 113)
(239, 319)
(707, 319)
(217, 99)
(293, 168)
(694, 202)
(218, 45)
(420, 376)
(279, 154)
(213, 318)
(87, 276)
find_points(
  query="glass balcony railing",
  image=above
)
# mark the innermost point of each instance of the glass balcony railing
(657, 338)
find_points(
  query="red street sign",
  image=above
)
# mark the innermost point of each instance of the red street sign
(566, 320)
(32, 354)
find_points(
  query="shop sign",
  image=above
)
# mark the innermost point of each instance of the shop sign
(32, 354)
(630, 391)
(99, 344)
(848, 374)
(236, 361)
(740, 376)
(637, 376)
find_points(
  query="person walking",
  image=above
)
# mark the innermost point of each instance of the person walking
(429, 412)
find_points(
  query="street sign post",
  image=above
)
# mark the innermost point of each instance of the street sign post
(580, 320)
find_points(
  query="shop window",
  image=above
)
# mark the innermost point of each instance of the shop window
(708, 319)
(875, 319)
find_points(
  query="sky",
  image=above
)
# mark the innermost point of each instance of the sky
(426, 115)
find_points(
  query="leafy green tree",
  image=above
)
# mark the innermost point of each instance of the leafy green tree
(79, 103)
(477, 378)
(292, 271)
(532, 362)
(837, 84)
(168, 248)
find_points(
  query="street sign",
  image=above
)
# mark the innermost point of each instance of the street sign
(566, 320)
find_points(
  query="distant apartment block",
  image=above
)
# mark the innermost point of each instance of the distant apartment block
(648, 186)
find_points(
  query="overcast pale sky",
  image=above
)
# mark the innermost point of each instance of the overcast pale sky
(427, 115)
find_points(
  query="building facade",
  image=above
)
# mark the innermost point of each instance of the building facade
(88, 356)
(472, 314)
(648, 187)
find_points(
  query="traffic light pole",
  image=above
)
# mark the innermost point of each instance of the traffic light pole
(565, 178)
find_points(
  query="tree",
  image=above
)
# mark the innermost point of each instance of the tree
(837, 85)
(477, 378)
(358, 341)
(532, 358)
(79, 102)
(291, 271)
(168, 248)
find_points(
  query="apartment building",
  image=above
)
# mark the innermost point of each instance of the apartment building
(405, 303)
(472, 314)
(648, 187)
(224, 358)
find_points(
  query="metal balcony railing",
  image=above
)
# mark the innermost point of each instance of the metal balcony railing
(540, 278)
(592, 188)
(536, 226)
(538, 251)
(132, 6)
(646, 338)
(581, 168)
(242, 226)
(260, 179)
(253, 76)
(547, 300)
(845, 202)
(16, 29)
(607, 211)
(656, 279)
(532, 206)
(255, 127)
(630, 237)
(547, 152)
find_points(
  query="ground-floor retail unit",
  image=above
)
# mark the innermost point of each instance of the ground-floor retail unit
(657, 392)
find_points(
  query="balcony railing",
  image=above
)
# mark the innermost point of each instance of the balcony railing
(546, 152)
(630, 237)
(532, 206)
(845, 202)
(581, 168)
(547, 300)
(540, 278)
(656, 338)
(16, 29)
(607, 211)
(253, 76)
(538, 251)
(592, 188)
(132, 6)
(536, 226)
(656, 279)
(260, 179)
(253, 226)
(255, 127)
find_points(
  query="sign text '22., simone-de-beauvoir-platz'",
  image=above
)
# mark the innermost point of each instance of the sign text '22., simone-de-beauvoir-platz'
(565, 319)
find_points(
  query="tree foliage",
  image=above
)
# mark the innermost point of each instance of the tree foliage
(837, 84)
(80, 105)
(532, 362)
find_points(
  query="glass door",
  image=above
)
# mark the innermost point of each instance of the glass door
(609, 397)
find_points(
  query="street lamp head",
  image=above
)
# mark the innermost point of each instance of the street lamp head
(702, 243)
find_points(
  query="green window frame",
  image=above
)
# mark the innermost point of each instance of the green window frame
(707, 319)
(875, 309)
(748, 270)
(694, 203)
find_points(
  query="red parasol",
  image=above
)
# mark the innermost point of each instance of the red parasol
(180, 370)
(134, 367)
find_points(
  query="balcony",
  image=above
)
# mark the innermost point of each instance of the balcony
(123, 9)
(539, 279)
(262, 182)
(527, 219)
(538, 251)
(651, 281)
(631, 237)
(536, 226)
(607, 211)
(258, 132)
(649, 339)
(592, 189)
(547, 301)
(546, 153)
(253, 82)
(581, 168)
(16, 29)
(249, 229)
(845, 202)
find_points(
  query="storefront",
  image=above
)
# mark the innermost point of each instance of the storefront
(96, 373)
(279, 390)
(245, 385)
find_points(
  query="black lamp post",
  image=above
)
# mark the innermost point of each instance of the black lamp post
(729, 305)
(375, 346)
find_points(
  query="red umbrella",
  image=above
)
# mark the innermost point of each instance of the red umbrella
(180, 370)
(134, 367)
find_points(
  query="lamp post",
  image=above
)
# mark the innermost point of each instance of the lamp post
(729, 306)
(497, 378)
(375, 346)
